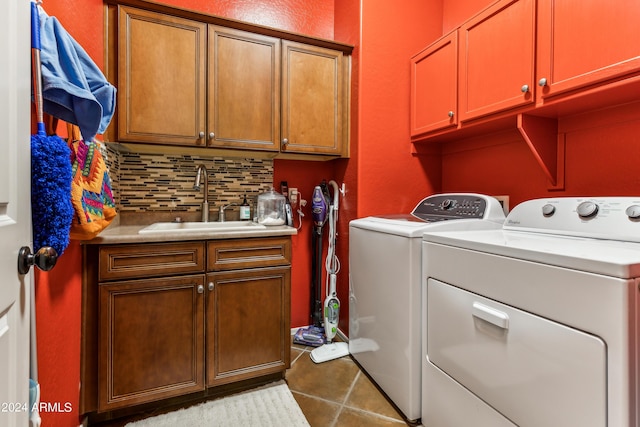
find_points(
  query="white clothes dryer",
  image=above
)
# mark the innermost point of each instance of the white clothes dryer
(535, 324)
(385, 256)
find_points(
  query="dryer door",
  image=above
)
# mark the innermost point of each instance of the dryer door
(536, 372)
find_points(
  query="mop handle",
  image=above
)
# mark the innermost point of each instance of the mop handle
(37, 67)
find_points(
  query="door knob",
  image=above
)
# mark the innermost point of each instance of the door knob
(45, 259)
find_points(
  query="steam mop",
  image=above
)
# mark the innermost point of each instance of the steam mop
(313, 335)
(319, 212)
(331, 350)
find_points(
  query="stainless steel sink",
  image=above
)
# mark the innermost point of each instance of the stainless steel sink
(201, 227)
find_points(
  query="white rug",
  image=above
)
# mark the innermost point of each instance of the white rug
(271, 405)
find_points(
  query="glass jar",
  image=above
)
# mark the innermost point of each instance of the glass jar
(271, 208)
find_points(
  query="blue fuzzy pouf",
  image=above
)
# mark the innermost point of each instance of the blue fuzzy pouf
(51, 208)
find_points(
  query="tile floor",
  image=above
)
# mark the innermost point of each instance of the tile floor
(331, 394)
(337, 393)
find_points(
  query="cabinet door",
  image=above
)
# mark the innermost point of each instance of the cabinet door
(585, 42)
(312, 99)
(434, 86)
(497, 50)
(244, 90)
(161, 78)
(247, 323)
(151, 337)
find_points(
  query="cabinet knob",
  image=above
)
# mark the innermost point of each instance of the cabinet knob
(212, 135)
(200, 289)
(542, 82)
(450, 114)
(285, 141)
(524, 88)
(210, 286)
(201, 135)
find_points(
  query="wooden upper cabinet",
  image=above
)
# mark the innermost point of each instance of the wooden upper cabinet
(434, 86)
(497, 59)
(244, 90)
(197, 80)
(581, 43)
(161, 78)
(313, 97)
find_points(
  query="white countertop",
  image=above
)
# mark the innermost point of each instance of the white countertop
(115, 234)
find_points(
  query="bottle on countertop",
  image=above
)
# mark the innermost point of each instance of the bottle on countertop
(245, 210)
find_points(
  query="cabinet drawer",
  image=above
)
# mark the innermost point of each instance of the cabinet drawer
(145, 260)
(248, 253)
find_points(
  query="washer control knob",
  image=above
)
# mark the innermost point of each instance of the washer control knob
(633, 212)
(447, 204)
(587, 209)
(548, 209)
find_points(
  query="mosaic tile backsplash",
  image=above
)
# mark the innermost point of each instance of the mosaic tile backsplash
(164, 182)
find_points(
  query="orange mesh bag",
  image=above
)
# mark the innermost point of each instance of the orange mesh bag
(91, 194)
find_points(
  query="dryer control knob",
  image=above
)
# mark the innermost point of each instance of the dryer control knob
(587, 209)
(633, 212)
(548, 209)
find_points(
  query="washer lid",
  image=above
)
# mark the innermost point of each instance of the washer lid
(608, 257)
(449, 211)
(416, 229)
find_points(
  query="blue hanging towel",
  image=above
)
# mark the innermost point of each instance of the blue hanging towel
(74, 88)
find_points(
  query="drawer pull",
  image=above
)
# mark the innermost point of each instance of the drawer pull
(491, 315)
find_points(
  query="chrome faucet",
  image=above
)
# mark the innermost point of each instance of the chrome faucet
(221, 211)
(202, 170)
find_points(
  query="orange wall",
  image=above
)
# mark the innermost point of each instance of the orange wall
(602, 154)
(390, 180)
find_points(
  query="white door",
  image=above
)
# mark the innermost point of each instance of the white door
(15, 214)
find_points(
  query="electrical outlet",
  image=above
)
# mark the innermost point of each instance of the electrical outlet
(294, 196)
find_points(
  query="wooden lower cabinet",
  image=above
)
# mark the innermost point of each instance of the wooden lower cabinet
(151, 340)
(247, 316)
(172, 335)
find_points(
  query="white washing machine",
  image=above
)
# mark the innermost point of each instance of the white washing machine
(385, 292)
(536, 324)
